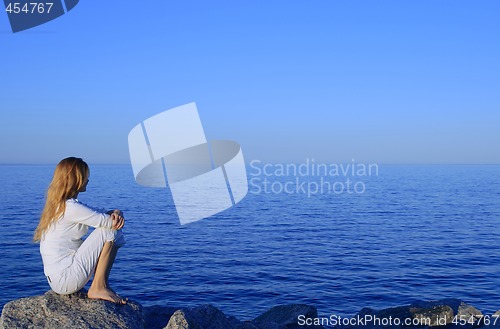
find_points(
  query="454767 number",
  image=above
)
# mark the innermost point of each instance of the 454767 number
(29, 8)
(487, 320)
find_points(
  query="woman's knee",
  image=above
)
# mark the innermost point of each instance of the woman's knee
(115, 236)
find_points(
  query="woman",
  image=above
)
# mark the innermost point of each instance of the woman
(69, 262)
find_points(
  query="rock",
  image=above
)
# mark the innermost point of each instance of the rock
(451, 312)
(157, 317)
(77, 311)
(286, 316)
(428, 314)
(246, 325)
(70, 311)
(180, 320)
(209, 317)
(432, 316)
(497, 313)
(200, 317)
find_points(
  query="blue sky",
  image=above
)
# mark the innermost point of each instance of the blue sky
(377, 81)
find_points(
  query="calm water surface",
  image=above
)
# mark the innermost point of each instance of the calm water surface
(418, 232)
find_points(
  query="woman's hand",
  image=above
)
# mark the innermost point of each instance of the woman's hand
(118, 220)
(118, 212)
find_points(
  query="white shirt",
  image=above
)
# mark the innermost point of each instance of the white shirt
(64, 236)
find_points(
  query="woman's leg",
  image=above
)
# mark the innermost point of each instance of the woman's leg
(96, 257)
(100, 288)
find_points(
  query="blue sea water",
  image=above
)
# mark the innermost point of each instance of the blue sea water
(417, 232)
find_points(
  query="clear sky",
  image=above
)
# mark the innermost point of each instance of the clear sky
(377, 81)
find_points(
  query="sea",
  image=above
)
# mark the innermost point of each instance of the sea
(338, 240)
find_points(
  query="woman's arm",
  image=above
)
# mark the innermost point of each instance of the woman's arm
(77, 212)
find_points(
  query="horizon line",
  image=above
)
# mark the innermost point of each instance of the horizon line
(276, 163)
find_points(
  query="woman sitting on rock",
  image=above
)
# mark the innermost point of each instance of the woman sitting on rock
(69, 262)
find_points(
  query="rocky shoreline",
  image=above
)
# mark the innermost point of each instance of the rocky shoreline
(76, 311)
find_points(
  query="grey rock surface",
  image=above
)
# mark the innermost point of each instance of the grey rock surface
(208, 316)
(286, 316)
(70, 311)
(201, 317)
(180, 320)
(77, 311)
(450, 313)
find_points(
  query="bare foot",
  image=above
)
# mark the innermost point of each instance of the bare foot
(106, 294)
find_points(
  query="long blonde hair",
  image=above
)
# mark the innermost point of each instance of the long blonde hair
(69, 177)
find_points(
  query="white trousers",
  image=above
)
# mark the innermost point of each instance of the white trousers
(76, 276)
